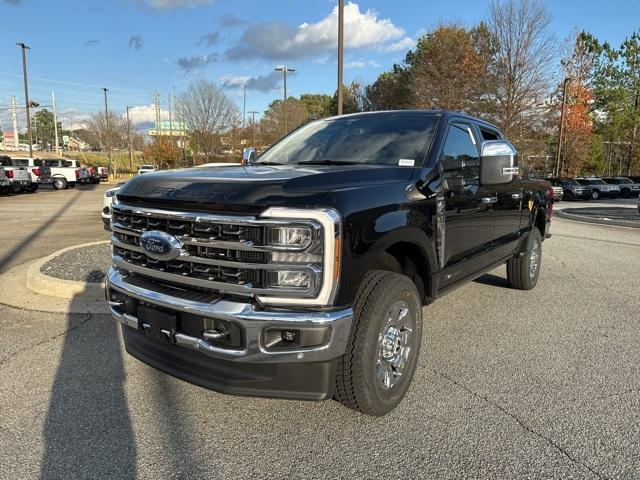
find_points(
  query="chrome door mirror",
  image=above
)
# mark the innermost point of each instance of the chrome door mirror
(248, 155)
(498, 162)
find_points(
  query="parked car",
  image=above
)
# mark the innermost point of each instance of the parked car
(5, 184)
(93, 176)
(107, 200)
(599, 188)
(627, 186)
(19, 177)
(60, 174)
(558, 191)
(34, 166)
(304, 274)
(104, 173)
(571, 190)
(147, 169)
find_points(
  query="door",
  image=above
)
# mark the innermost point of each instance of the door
(469, 207)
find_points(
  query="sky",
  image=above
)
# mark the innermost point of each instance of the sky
(137, 47)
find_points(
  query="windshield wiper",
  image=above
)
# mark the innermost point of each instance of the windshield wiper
(266, 163)
(328, 162)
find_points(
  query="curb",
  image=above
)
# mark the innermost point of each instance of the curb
(595, 221)
(58, 287)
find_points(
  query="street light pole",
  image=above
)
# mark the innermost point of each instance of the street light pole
(562, 114)
(108, 132)
(26, 93)
(253, 127)
(284, 70)
(340, 53)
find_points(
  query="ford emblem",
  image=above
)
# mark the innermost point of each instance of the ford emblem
(160, 245)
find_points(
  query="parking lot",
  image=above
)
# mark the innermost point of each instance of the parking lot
(510, 384)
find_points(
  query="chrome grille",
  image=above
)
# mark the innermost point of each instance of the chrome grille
(220, 254)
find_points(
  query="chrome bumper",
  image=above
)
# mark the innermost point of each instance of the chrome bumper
(253, 322)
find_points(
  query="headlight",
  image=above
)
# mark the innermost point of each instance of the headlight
(305, 245)
(110, 193)
(298, 237)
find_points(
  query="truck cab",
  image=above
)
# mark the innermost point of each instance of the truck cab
(304, 274)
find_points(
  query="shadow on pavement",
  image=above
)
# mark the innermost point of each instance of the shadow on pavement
(88, 431)
(38, 231)
(492, 280)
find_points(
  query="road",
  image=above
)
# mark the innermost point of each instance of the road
(510, 384)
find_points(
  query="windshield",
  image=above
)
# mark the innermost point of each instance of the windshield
(369, 139)
(147, 167)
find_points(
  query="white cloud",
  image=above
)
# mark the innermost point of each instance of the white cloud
(276, 40)
(169, 4)
(145, 114)
(355, 64)
(261, 83)
(404, 44)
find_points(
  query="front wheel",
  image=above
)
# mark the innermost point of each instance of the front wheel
(523, 272)
(375, 372)
(595, 195)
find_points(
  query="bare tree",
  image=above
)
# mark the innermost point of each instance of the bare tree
(524, 60)
(207, 112)
(110, 134)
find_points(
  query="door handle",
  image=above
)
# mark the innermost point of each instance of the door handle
(489, 199)
(516, 196)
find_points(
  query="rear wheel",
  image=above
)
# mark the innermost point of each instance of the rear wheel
(60, 183)
(375, 372)
(523, 272)
(595, 194)
(625, 193)
(33, 188)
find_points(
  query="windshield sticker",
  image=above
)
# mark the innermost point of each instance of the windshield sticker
(406, 162)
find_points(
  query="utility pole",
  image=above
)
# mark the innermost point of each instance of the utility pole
(562, 114)
(55, 120)
(340, 53)
(284, 70)
(14, 121)
(108, 133)
(244, 105)
(253, 127)
(130, 141)
(26, 93)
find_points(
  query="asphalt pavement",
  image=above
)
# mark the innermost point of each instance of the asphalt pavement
(510, 384)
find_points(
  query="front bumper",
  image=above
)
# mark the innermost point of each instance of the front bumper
(251, 369)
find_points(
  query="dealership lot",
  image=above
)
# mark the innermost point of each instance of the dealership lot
(510, 384)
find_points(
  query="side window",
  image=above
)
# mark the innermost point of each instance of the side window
(460, 144)
(489, 134)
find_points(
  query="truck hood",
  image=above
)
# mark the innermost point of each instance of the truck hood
(258, 186)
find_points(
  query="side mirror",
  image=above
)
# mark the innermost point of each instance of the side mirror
(248, 155)
(498, 162)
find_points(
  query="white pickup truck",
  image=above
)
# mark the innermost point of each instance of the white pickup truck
(34, 166)
(19, 177)
(62, 174)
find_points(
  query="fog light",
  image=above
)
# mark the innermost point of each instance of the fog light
(289, 279)
(274, 338)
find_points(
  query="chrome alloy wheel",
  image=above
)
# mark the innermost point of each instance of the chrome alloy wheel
(534, 259)
(394, 344)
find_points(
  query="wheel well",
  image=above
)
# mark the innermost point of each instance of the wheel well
(408, 259)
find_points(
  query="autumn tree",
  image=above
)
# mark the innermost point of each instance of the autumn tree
(449, 69)
(162, 152)
(272, 122)
(391, 91)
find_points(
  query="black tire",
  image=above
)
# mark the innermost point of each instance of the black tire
(60, 183)
(72, 184)
(33, 188)
(521, 274)
(595, 194)
(358, 385)
(625, 193)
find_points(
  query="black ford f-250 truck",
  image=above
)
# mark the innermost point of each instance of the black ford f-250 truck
(304, 274)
